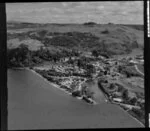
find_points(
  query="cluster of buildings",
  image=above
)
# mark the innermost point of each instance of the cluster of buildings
(105, 67)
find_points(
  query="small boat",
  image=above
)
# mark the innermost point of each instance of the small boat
(79, 97)
(89, 100)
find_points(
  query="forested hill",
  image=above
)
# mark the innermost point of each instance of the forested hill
(110, 38)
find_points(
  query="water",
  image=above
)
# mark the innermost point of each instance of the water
(98, 94)
(35, 104)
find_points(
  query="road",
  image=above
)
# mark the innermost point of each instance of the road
(138, 70)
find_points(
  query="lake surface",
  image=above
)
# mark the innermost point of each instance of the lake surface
(35, 104)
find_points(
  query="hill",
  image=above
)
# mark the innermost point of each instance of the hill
(114, 39)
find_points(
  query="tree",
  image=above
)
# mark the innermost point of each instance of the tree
(76, 93)
(44, 53)
(75, 52)
(24, 54)
(90, 23)
(42, 33)
(125, 94)
(112, 86)
(95, 53)
(133, 101)
(138, 112)
(81, 63)
(105, 31)
(19, 56)
(90, 70)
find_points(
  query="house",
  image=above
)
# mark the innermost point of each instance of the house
(141, 61)
(133, 61)
(65, 59)
(139, 57)
(117, 100)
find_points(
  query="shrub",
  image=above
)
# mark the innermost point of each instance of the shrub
(90, 23)
(63, 86)
(138, 112)
(95, 53)
(76, 93)
(19, 57)
(89, 94)
(105, 32)
(112, 86)
(42, 33)
(125, 95)
(133, 101)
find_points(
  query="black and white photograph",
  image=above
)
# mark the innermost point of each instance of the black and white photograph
(75, 65)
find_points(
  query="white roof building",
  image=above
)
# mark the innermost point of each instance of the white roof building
(132, 61)
(117, 99)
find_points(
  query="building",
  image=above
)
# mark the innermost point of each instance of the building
(133, 61)
(117, 100)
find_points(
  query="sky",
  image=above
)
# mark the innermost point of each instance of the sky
(123, 12)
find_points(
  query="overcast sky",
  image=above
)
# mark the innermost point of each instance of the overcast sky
(125, 12)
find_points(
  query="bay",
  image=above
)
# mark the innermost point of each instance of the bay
(36, 104)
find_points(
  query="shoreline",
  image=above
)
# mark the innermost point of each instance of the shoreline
(58, 87)
(19, 68)
(79, 98)
(130, 115)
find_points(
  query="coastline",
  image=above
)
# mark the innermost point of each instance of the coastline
(132, 117)
(79, 98)
(19, 68)
(58, 87)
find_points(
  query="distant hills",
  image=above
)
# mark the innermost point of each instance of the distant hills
(15, 24)
(111, 38)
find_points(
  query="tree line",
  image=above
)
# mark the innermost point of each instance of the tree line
(23, 57)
